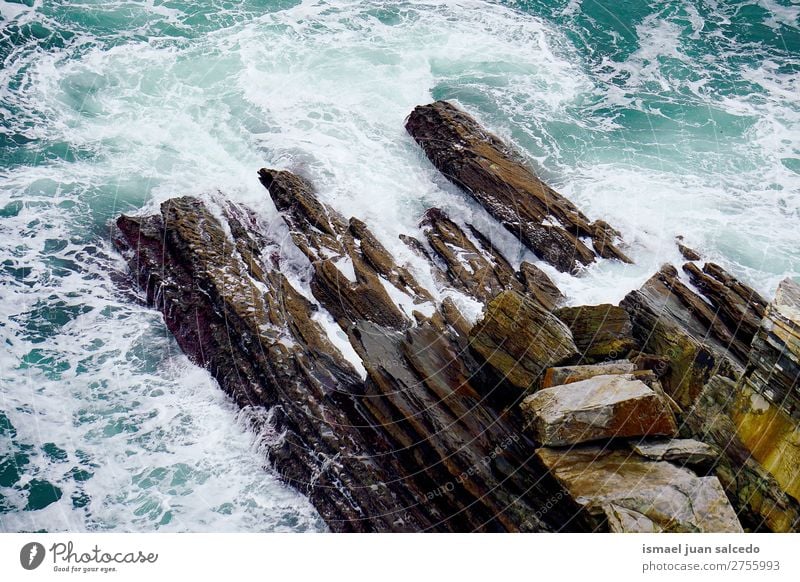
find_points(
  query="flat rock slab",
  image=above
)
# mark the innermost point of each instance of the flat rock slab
(628, 493)
(598, 408)
(570, 374)
(681, 451)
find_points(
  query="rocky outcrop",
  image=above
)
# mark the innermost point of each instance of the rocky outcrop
(601, 332)
(721, 383)
(266, 351)
(519, 339)
(672, 321)
(480, 163)
(739, 307)
(354, 276)
(388, 400)
(602, 407)
(414, 446)
(764, 404)
(477, 463)
(627, 493)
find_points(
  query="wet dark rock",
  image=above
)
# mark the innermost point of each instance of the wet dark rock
(737, 305)
(474, 464)
(415, 447)
(539, 286)
(334, 246)
(480, 163)
(687, 253)
(472, 264)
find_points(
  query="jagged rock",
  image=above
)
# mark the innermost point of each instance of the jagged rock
(539, 286)
(774, 369)
(355, 277)
(414, 448)
(598, 408)
(686, 252)
(739, 306)
(480, 163)
(476, 268)
(627, 493)
(570, 374)
(519, 339)
(680, 451)
(759, 499)
(265, 351)
(764, 405)
(672, 321)
(477, 464)
(601, 332)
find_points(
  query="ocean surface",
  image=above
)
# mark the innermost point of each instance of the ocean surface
(663, 117)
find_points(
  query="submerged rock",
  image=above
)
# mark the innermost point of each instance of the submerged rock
(480, 163)
(628, 493)
(519, 339)
(602, 407)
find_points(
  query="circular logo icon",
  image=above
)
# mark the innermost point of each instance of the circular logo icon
(31, 555)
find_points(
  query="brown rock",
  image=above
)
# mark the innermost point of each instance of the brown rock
(539, 286)
(738, 306)
(601, 332)
(335, 246)
(520, 340)
(686, 252)
(598, 408)
(477, 161)
(678, 451)
(673, 322)
(759, 499)
(476, 268)
(627, 493)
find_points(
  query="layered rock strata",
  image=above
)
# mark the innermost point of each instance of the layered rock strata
(485, 167)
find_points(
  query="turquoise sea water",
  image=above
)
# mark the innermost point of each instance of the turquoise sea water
(663, 117)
